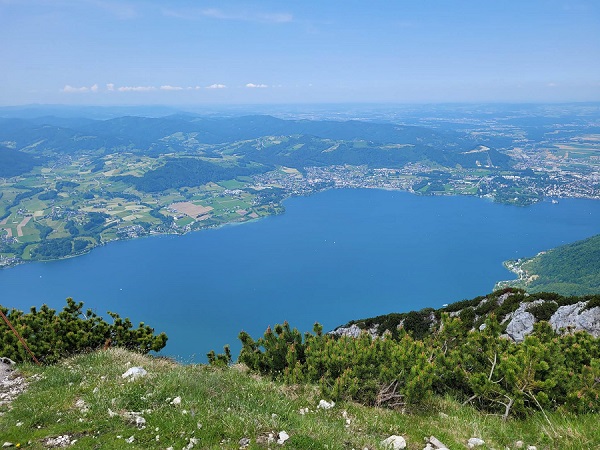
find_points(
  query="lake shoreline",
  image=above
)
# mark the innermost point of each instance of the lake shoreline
(234, 223)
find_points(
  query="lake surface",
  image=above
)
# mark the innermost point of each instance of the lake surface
(332, 257)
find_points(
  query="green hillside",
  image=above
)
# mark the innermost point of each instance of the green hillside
(572, 269)
(85, 402)
(434, 373)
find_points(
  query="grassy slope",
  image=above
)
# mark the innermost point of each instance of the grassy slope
(572, 269)
(221, 406)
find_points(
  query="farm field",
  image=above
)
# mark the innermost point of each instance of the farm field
(82, 199)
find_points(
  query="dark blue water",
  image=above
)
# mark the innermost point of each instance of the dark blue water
(332, 257)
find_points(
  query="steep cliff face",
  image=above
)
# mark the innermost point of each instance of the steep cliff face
(516, 310)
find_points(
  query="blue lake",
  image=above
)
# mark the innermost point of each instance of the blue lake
(332, 257)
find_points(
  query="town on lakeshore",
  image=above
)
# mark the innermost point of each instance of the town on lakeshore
(69, 185)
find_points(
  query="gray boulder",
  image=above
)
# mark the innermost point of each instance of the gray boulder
(566, 318)
(521, 322)
(576, 318)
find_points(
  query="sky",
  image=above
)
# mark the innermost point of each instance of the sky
(194, 52)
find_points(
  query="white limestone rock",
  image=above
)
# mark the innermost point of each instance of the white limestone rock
(576, 318)
(475, 442)
(521, 322)
(436, 443)
(134, 373)
(323, 404)
(355, 331)
(282, 437)
(394, 443)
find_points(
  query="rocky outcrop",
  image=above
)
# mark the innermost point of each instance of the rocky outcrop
(354, 331)
(521, 322)
(516, 309)
(568, 318)
(577, 318)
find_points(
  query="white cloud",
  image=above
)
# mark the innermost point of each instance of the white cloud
(136, 88)
(552, 84)
(215, 13)
(121, 10)
(70, 89)
(275, 18)
(216, 86)
(78, 90)
(254, 86)
(110, 86)
(218, 14)
(248, 17)
(168, 87)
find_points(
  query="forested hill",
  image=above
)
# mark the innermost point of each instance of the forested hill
(13, 162)
(141, 131)
(572, 269)
(299, 143)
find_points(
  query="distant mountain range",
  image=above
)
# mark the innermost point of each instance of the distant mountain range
(294, 143)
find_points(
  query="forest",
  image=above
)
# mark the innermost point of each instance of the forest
(572, 269)
(181, 172)
(13, 162)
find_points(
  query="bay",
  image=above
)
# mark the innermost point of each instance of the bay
(332, 257)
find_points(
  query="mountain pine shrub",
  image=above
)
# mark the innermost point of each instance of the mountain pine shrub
(544, 372)
(51, 336)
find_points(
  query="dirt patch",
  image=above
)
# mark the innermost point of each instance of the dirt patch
(21, 225)
(189, 209)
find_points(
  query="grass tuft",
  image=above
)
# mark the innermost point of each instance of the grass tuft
(86, 398)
